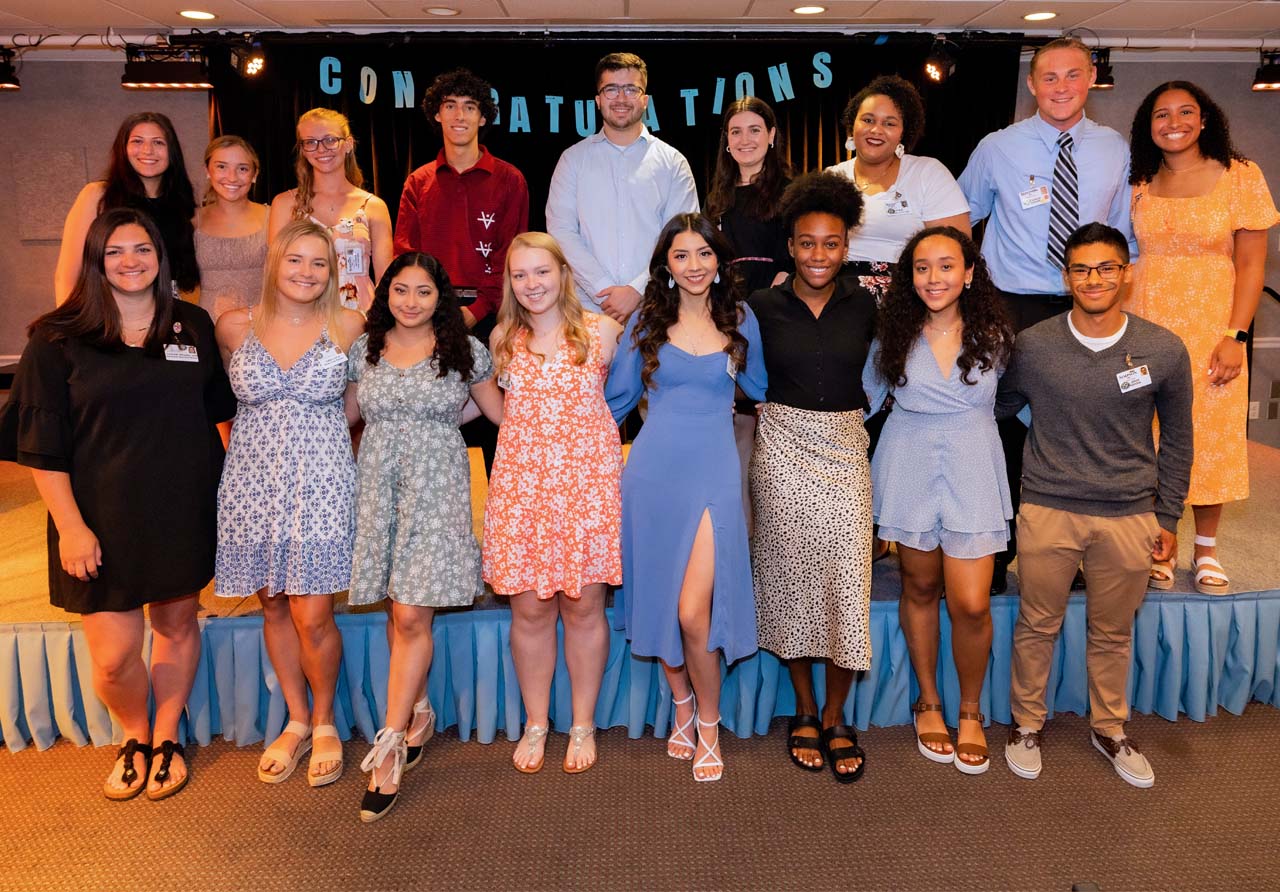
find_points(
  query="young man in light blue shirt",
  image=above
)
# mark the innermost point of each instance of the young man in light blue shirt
(1035, 182)
(612, 193)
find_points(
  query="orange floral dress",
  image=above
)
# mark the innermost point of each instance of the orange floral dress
(553, 519)
(1185, 281)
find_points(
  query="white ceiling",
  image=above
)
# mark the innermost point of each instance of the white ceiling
(1209, 19)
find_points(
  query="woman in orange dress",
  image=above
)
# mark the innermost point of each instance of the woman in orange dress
(553, 520)
(1201, 212)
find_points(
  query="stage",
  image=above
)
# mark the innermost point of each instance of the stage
(1193, 654)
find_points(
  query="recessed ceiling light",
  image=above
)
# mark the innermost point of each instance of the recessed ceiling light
(1039, 16)
(442, 10)
(809, 10)
(199, 14)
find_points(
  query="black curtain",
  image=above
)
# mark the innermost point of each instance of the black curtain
(807, 79)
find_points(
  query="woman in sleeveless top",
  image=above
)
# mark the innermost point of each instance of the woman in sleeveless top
(329, 193)
(231, 230)
(285, 506)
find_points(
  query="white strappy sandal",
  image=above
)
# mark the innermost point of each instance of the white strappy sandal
(1207, 569)
(680, 733)
(710, 759)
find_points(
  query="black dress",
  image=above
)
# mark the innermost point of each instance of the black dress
(136, 433)
(760, 245)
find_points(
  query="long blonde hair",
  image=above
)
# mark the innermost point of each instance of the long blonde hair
(514, 319)
(227, 141)
(302, 167)
(330, 304)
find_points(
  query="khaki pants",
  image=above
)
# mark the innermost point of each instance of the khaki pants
(1116, 554)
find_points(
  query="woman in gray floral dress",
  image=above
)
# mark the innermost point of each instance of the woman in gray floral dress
(411, 376)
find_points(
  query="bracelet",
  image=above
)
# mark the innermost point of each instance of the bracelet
(1236, 334)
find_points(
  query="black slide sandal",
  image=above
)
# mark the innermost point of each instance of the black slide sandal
(837, 753)
(800, 742)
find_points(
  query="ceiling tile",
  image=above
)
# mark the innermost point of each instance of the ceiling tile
(1146, 15)
(316, 13)
(1008, 15)
(230, 13)
(82, 15)
(565, 10)
(1252, 17)
(837, 11)
(683, 10)
(468, 10)
(951, 14)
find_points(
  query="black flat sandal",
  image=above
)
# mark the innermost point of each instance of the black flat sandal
(130, 774)
(836, 753)
(800, 742)
(167, 750)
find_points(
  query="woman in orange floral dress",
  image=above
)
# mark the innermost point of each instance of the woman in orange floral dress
(552, 523)
(1201, 212)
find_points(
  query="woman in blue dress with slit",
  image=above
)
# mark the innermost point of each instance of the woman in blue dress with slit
(685, 564)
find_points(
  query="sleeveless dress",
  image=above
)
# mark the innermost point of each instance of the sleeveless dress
(230, 270)
(682, 464)
(554, 514)
(414, 541)
(1184, 280)
(353, 244)
(285, 505)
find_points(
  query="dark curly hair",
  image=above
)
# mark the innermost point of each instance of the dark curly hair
(988, 337)
(459, 82)
(660, 308)
(453, 348)
(901, 93)
(821, 193)
(1215, 139)
(768, 184)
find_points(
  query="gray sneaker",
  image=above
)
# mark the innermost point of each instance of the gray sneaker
(1127, 760)
(1022, 752)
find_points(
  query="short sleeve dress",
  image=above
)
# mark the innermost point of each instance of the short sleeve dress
(137, 434)
(1184, 280)
(414, 541)
(554, 514)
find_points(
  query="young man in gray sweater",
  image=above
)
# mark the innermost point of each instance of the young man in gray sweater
(1094, 488)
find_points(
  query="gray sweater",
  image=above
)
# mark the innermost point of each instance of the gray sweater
(1091, 449)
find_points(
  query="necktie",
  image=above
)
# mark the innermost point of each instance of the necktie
(1064, 213)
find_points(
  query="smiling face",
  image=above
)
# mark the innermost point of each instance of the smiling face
(1176, 122)
(231, 173)
(304, 270)
(877, 129)
(619, 111)
(1060, 83)
(1096, 294)
(412, 297)
(323, 159)
(130, 261)
(748, 139)
(693, 264)
(818, 244)
(460, 120)
(536, 278)
(148, 151)
(938, 272)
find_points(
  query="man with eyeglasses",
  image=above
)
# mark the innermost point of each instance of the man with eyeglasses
(1095, 490)
(612, 193)
(1034, 182)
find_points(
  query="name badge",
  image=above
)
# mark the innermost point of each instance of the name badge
(1034, 197)
(1132, 379)
(332, 357)
(181, 353)
(353, 260)
(732, 369)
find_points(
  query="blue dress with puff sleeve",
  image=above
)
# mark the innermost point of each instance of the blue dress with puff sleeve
(683, 463)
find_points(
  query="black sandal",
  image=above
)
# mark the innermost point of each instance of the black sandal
(130, 774)
(835, 754)
(167, 750)
(800, 742)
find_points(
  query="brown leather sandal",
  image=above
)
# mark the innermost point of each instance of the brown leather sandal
(931, 736)
(972, 749)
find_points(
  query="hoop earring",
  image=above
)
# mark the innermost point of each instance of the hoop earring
(968, 284)
(727, 151)
(899, 150)
(771, 144)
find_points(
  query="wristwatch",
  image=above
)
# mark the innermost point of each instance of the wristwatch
(1236, 334)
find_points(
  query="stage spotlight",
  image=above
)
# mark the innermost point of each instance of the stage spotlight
(248, 58)
(8, 77)
(1267, 77)
(940, 64)
(165, 68)
(1106, 79)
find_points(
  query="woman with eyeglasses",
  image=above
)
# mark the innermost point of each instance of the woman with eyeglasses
(1201, 212)
(329, 193)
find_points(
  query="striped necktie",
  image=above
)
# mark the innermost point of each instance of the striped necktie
(1064, 208)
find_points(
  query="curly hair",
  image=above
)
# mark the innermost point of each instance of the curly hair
(767, 186)
(306, 190)
(903, 94)
(452, 352)
(987, 340)
(821, 193)
(461, 83)
(514, 319)
(660, 308)
(1215, 138)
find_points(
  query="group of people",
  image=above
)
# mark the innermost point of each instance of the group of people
(808, 303)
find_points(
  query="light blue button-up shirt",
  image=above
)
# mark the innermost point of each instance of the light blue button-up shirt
(607, 204)
(1021, 157)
